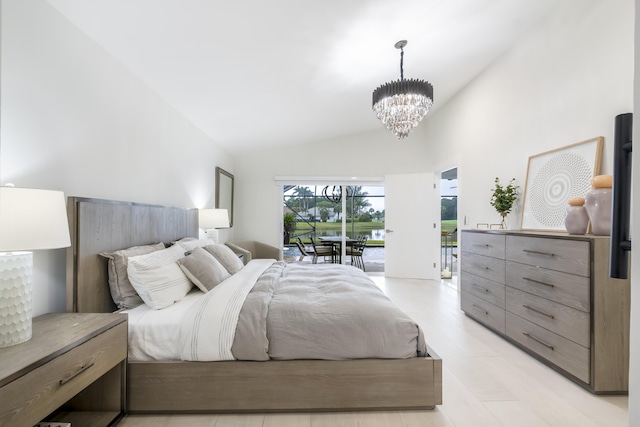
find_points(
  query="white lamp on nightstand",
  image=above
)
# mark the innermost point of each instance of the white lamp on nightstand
(29, 220)
(212, 219)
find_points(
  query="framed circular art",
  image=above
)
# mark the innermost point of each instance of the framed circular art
(555, 176)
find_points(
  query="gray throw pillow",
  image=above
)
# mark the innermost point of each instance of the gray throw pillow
(226, 256)
(203, 269)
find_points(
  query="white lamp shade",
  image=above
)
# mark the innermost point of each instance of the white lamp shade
(32, 219)
(213, 218)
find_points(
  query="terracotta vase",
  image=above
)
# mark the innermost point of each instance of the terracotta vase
(577, 220)
(598, 205)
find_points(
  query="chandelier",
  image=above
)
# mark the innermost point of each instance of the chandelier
(335, 194)
(402, 104)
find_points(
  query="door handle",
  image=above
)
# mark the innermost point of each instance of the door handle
(620, 243)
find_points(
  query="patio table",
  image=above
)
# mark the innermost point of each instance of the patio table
(337, 241)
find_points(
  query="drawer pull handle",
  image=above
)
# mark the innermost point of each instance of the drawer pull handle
(538, 311)
(537, 340)
(481, 288)
(81, 370)
(538, 252)
(481, 266)
(480, 309)
(539, 282)
(483, 245)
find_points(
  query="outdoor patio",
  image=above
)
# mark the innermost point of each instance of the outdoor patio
(373, 257)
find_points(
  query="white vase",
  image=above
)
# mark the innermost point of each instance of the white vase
(577, 219)
(598, 205)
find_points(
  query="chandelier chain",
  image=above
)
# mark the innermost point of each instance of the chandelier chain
(401, 61)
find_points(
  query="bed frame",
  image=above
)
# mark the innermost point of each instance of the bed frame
(235, 386)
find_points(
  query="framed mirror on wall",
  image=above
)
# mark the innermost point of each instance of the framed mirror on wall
(224, 192)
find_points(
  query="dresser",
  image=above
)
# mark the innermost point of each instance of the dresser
(72, 370)
(550, 294)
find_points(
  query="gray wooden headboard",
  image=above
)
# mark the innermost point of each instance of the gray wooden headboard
(104, 226)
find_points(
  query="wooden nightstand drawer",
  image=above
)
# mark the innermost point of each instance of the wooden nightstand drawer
(35, 392)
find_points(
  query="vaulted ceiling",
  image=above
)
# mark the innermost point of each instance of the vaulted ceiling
(260, 73)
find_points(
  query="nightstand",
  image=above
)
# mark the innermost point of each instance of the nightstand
(73, 370)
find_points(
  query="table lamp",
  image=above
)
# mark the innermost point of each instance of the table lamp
(29, 220)
(212, 219)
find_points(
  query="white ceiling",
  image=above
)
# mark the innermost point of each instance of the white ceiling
(258, 73)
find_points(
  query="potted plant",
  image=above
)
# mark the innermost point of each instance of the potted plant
(289, 221)
(503, 198)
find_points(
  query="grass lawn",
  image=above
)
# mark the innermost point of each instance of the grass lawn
(449, 225)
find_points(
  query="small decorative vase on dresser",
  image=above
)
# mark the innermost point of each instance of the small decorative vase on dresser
(550, 294)
(598, 204)
(577, 220)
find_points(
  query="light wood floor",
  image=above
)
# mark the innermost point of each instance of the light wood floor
(487, 381)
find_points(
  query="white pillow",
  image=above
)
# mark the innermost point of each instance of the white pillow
(226, 256)
(203, 269)
(122, 292)
(189, 244)
(157, 278)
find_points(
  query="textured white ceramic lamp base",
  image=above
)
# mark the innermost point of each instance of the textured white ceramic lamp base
(212, 234)
(15, 297)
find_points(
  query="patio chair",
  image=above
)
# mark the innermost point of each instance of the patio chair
(356, 250)
(323, 250)
(304, 251)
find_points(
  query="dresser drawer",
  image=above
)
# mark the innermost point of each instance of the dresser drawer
(485, 289)
(483, 311)
(484, 244)
(49, 386)
(483, 266)
(560, 351)
(566, 321)
(569, 256)
(565, 288)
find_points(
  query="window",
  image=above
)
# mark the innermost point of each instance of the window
(318, 211)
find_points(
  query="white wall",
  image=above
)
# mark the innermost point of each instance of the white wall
(74, 119)
(372, 154)
(564, 84)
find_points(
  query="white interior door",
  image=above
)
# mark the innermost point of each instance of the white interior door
(409, 221)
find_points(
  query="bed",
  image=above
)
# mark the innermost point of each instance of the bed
(171, 386)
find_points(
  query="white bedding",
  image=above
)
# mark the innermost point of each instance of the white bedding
(165, 335)
(209, 327)
(154, 334)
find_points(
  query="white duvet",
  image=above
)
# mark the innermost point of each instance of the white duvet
(198, 327)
